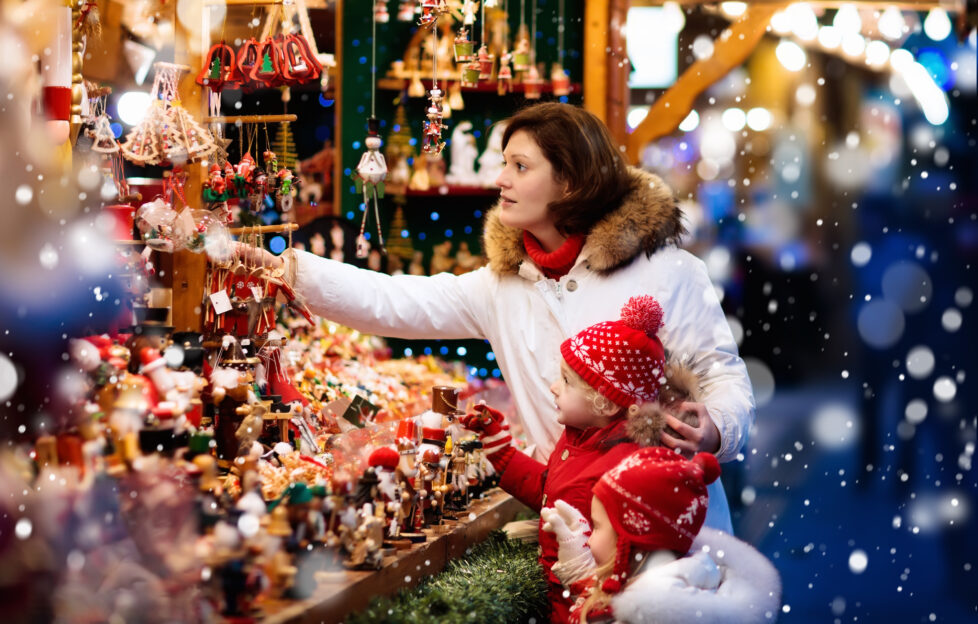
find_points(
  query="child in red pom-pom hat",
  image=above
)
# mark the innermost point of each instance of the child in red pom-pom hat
(611, 377)
(640, 562)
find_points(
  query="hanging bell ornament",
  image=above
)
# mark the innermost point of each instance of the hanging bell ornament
(560, 80)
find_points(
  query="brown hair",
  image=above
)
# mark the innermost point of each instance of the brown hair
(582, 153)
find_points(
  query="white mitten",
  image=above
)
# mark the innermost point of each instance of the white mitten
(571, 528)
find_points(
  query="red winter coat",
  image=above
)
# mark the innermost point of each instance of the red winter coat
(576, 464)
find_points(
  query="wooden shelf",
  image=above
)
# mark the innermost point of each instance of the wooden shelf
(484, 86)
(452, 191)
(343, 592)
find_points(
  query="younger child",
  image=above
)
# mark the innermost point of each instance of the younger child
(609, 370)
(649, 558)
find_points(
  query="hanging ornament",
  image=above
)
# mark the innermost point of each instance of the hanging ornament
(532, 83)
(406, 10)
(103, 138)
(486, 61)
(369, 178)
(504, 79)
(380, 12)
(468, 12)
(559, 77)
(220, 69)
(521, 53)
(433, 125)
(470, 74)
(431, 10)
(463, 46)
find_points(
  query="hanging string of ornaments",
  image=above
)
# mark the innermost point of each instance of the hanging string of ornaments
(371, 171)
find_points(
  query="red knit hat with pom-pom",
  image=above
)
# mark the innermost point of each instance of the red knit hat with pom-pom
(623, 359)
(655, 500)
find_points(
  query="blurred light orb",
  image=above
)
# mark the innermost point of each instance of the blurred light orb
(748, 495)
(858, 561)
(954, 508)
(937, 25)
(716, 142)
(8, 378)
(248, 524)
(707, 169)
(762, 379)
(759, 119)
(901, 59)
(733, 9)
(945, 389)
(173, 355)
(920, 362)
(781, 23)
(76, 560)
(891, 23)
(963, 296)
(736, 328)
(847, 19)
(89, 177)
(718, 263)
(132, 107)
(702, 47)
(803, 21)
(23, 528)
(23, 195)
(805, 94)
(48, 256)
(951, 320)
(636, 115)
(853, 44)
(916, 411)
(734, 119)
(861, 254)
(791, 55)
(877, 53)
(690, 122)
(829, 37)
(880, 323)
(835, 426)
(908, 285)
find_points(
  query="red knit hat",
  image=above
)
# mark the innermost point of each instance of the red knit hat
(624, 359)
(656, 500)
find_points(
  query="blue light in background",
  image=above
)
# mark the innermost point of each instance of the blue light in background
(427, 350)
(435, 216)
(347, 171)
(449, 233)
(355, 43)
(349, 215)
(325, 102)
(422, 236)
(413, 141)
(933, 61)
(443, 350)
(405, 233)
(363, 60)
(478, 214)
(483, 372)
(116, 129)
(490, 356)
(496, 373)
(277, 244)
(408, 352)
(356, 145)
(461, 351)
(468, 229)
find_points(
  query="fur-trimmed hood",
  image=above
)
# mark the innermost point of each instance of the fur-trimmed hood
(647, 220)
(646, 422)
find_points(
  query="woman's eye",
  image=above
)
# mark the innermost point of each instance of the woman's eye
(521, 167)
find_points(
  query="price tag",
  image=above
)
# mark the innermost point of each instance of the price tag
(221, 301)
(257, 293)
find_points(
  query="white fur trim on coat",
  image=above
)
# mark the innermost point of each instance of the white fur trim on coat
(723, 581)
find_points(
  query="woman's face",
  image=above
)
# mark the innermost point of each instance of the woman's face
(603, 541)
(527, 185)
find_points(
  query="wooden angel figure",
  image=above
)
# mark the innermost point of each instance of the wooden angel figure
(431, 10)
(504, 79)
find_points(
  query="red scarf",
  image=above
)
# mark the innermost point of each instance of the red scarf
(557, 263)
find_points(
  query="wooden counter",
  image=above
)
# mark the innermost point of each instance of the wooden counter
(344, 592)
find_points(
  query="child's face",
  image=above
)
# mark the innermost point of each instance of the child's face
(603, 541)
(574, 408)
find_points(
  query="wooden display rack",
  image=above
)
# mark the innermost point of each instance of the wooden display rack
(340, 593)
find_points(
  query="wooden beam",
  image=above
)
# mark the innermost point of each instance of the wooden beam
(595, 54)
(250, 118)
(730, 49)
(617, 68)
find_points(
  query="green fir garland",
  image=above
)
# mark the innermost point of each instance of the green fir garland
(498, 580)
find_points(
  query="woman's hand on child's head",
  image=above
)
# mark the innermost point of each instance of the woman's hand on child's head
(702, 436)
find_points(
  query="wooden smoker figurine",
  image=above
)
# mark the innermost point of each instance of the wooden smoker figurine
(369, 179)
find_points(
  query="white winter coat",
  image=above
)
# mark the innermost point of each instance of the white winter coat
(525, 316)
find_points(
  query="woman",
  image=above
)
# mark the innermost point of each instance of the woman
(575, 234)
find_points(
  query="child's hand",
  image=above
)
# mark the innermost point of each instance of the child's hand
(571, 528)
(491, 426)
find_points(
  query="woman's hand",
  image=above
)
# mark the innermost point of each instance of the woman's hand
(704, 436)
(256, 256)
